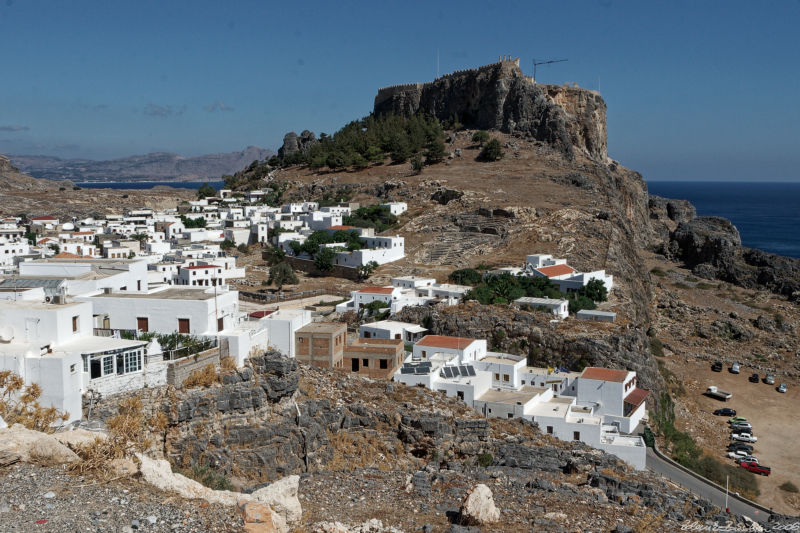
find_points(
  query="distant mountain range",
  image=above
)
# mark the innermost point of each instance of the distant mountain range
(159, 166)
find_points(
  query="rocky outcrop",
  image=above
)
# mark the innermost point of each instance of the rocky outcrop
(500, 97)
(712, 248)
(292, 143)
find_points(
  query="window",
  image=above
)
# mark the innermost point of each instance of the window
(74, 324)
(549, 430)
(384, 364)
(133, 362)
(183, 325)
(73, 369)
(496, 376)
(510, 415)
(576, 435)
(142, 324)
(424, 353)
(85, 363)
(505, 378)
(108, 365)
(367, 335)
(365, 363)
(523, 382)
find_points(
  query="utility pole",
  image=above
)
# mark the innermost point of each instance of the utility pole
(537, 63)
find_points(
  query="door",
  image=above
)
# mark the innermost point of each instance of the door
(142, 323)
(183, 325)
(354, 364)
(220, 324)
(94, 367)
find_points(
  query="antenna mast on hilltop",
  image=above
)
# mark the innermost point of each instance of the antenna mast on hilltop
(536, 64)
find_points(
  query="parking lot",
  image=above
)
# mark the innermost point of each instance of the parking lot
(773, 416)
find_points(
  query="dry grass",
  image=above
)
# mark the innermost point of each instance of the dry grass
(353, 450)
(19, 404)
(127, 433)
(227, 364)
(202, 377)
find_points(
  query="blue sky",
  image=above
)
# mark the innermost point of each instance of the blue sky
(695, 90)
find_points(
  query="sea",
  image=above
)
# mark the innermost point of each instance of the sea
(767, 214)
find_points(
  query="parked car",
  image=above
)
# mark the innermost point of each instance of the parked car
(741, 425)
(734, 368)
(738, 454)
(754, 378)
(782, 388)
(744, 437)
(725, 411)
(756, 468)
(717, 366)
(736, 420)
(770, 379)
(740, 446)
(747, 459)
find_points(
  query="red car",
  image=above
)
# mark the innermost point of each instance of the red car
(756, 468)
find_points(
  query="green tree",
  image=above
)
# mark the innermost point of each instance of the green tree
(282, 274)
(435, 152)
(595, 290)
(492, 151)
(323, 259)
(227, 244)
(364, 271)
(206, 190)
(274, 255)
(465, 276)
(480, 137)
(417, 164)
(578, 302)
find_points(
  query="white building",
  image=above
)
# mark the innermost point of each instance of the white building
(201, 276)
(281, 326)
(391, 329)
(467, 350)
(396, 208)
(563, 276)
(559, 308)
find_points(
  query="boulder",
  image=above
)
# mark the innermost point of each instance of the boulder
(478, 507)
(34, 445)
(257, 518)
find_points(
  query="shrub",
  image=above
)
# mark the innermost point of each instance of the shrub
(485, 460)
(658, 272)
(19, 404)
(417, 164)
(465, 276)
(789, 487)
(492, 151)
(282, 274)
(208, 477)
(323, 260)
(480, 137)
(656, 347)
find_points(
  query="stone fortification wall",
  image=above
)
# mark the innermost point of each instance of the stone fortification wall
(178, 371)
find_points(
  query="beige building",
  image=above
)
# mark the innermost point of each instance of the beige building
(320, 344)
(374, 358)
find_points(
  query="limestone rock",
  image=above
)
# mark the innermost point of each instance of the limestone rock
(292, 143)
(78, 437)
(478, 506)
(283, 497)
(34, 445)
(3, 424)
(257, 518)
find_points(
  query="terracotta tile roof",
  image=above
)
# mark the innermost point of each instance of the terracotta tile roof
(342, 228)
(604, 374)
(556, 270)
(377, 290)
(260, 314)
(66, 255)
(44, 218)
(83, 233)
(637, 396)
(443, 341)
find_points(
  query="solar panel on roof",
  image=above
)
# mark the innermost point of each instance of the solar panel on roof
(405, 370)
(447, 372)
(426, 363)
(471, 370)
(421, 370)
(463, 370)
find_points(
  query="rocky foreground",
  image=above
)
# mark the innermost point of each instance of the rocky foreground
(313, 450)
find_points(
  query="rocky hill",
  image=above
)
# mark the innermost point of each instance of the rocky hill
(158, 166)
(500, 97)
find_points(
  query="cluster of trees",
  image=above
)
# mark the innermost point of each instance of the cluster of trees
(505, 288)
(206, 190)
(373, 216)
(490, 148)
(189, 223)
(371, 140)
(313, 244)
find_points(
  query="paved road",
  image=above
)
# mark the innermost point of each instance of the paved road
(714, 495)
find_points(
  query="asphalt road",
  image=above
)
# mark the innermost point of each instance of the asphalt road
(714, 495)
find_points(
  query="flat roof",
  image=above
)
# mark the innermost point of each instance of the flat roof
(322, 327)
(410, 326)
(377, 290)
(501, 360)
(554, 407)
(592, 312)
(522, 396)
(97, 344)
(171, 293)
(34, 304)
(528, 300)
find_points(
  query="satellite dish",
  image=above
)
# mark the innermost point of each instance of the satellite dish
(69, 226)
(6, 334)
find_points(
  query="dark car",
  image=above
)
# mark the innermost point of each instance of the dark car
(754, 378)
(717, 366)
(725, 411)
(740, 446)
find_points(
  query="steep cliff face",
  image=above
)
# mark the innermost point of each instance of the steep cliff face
(500, 97)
